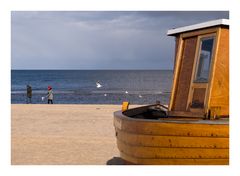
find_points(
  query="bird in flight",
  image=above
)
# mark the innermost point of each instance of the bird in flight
(98, 85)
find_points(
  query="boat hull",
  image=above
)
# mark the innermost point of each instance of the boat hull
(172, 141)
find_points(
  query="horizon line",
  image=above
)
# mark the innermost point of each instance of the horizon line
(94, 69)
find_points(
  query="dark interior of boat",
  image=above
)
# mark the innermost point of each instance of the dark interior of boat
(159, 111)
(155, 111)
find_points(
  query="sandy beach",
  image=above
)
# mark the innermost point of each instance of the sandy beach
(63, 134)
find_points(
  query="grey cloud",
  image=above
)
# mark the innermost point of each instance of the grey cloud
(98, 40)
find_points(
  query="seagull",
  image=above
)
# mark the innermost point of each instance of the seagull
(140, 96)
(98, 85)
(126, 92)
(105, 95)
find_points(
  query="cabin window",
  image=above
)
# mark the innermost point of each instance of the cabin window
(204, 59)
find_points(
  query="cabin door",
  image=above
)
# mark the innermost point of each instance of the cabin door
(201, 75)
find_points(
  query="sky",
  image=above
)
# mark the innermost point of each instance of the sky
(90, 40)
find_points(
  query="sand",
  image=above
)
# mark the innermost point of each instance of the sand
(63, 135)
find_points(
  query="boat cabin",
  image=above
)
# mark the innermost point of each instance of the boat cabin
(201, 70)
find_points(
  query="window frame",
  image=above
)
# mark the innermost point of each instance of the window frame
(199, 50)
(208, 84)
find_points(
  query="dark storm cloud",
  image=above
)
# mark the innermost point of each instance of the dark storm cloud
(98, 40)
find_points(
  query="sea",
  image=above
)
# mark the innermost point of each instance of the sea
(79, 86)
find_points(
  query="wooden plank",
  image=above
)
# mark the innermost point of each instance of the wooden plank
(199, 97)
(184, 75)
(174, 161)
(170, 152)
(213, 68)
(200, 32)
(186, 114)
(176, 71)
(177, 39)
(173, 129)
(200, 85)
(172, 141)
(220, 84)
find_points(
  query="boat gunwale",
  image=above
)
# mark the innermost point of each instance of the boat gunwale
(184, 120)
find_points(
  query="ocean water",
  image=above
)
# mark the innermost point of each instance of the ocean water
(79, 86)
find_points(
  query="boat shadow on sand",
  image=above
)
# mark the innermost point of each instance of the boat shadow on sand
(116, 161)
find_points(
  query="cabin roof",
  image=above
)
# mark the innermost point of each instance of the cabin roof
(174, 31)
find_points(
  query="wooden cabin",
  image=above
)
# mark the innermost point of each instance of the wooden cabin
(201, 70)
(194, 129)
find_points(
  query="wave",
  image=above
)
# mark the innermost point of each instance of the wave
(94, 92)
(131, 92)
(97, 92)
(43, 92)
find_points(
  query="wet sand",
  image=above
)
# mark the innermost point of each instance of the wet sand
(63, 134)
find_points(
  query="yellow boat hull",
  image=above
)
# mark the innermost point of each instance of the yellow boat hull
(172, 141)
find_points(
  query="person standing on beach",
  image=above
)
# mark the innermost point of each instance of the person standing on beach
(29, 94)
(50, 95)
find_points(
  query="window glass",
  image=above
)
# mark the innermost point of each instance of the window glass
(204, 60)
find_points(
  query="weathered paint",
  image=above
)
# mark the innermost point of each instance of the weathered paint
(186, 68)
(182, 141)
(220, 86)
(173, 161)
(216, 92)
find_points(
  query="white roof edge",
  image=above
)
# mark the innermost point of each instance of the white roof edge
(198, 26)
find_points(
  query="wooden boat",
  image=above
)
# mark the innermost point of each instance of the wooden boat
(194, 129)
(176, 140)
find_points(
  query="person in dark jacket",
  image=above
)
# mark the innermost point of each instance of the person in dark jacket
(29, 94)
